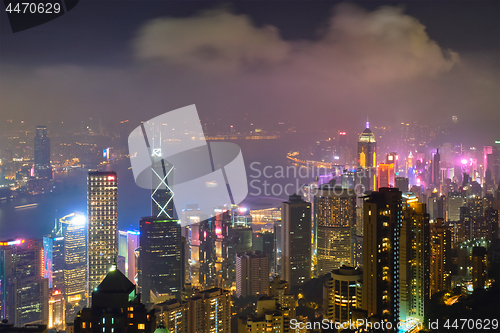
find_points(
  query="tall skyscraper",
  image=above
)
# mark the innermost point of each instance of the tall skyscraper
(128, 242)
(24, 292)
(42, 153)
(335, 215)
(440, 257)
(342, 293)
(162, 203)
(382, 221)
(455, 201)
(401, 183)
(414, 261)
(160, 261)
(252, 274)
(367, 148)
(102, 210)
(436, 181)
(296, 240)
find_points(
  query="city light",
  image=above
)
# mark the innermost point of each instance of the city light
(14, 242)
(79, 220)
(111, 177)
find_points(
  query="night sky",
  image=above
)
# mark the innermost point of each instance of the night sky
(313, 64)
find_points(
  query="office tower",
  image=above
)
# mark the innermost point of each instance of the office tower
(173, 315)
(210, 311)
(436, 169)
(367, 149)
(252, 274)
(414, 262)
(102, 207)
(440, 257)
(478, 266)
(24, 292)
(263, 241)
(455, 201)
(335, 215)
(128, 242)
(385, 175)
(393, 158)
(277, 246)
(342, 293)
(162, 204)
(43, 168)
(491, 222)
(296, 240)
(436, 206)
(401, 183)
(116, 307)
(269, 317)
(57, 310)
(324, 151)
(382, 221)
(160, 261)
(73, 230)
(344, 151)
(53, 247)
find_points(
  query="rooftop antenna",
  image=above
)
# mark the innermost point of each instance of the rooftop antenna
(367, 122)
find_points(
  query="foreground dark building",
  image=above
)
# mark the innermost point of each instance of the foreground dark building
(116, 307)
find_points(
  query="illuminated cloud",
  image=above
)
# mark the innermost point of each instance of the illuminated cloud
(215, 40)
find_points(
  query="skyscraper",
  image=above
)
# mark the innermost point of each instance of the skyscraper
(210, 311)
(342, 294)
(414, 261)
(335, 215)
(385, 175)
(102, 207)
(440, 257)
(252, 274)
(296, 240)
(24, 292)
(436, 181)
(382, 221)
(367, 148)
(160, 262)
(42, 153)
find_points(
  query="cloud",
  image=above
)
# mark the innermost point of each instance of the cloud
(215, 41)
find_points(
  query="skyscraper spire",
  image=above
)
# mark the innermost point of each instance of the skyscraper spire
(367, 122)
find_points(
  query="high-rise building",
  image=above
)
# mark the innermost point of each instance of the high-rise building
(436, 169)
(263, 241)
(344, 151)
(160, 260)
(401, 183)
(440, 257)
(455, 201)
(210, 311)
(385, 175)
(252, 274)
(342, 293)
(478, 266)
(393, 158)
(367, 149)
(173, 315)
(414, 261)
(128, 242)
(102, 211)
(335, 215)
(53, 247)
(43, 168)
(162, 203)
(73, 230)
(382, 221)
(116, 307)
(57, 310)
(24, 292)
(296, 240)
(280, 289)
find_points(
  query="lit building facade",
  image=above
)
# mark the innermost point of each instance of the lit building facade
(160, 260)
(335, 216)
(252, 274)
(43, 168)
(210, 311)
(342, 293)
(24, 292)
(367, 149)
(382, 222)
(296, 240)
(102, 211)
(440, 257)
(385, 175)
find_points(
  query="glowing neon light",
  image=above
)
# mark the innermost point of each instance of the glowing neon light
(111, 177)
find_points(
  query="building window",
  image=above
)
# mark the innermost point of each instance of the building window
(141, 326)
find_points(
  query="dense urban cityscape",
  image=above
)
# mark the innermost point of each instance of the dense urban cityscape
(358, 221)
